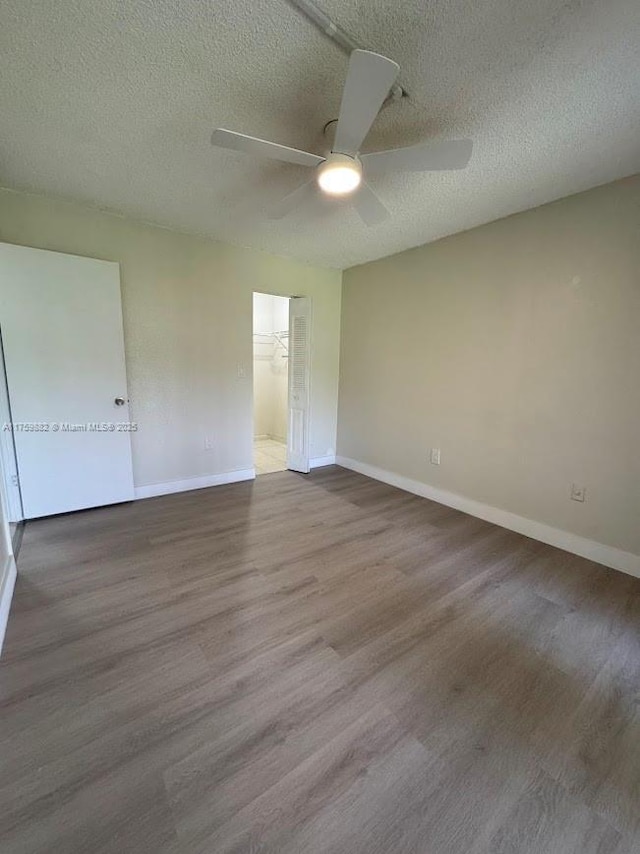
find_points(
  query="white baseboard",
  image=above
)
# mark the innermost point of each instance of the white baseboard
(318, 462)
(590, 549)
(7, 583)
(151, 490)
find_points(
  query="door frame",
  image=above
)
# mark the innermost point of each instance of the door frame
(8, 452)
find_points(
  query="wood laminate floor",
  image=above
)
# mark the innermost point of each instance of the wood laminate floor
(315, 664)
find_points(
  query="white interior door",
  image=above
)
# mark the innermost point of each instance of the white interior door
(13, 503)
(61, 321)
(299, 357)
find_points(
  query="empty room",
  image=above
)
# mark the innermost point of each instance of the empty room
(319, 427)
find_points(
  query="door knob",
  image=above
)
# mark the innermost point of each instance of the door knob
(119, 401)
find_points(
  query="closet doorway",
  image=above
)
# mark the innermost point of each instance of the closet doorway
(270, 382)
(281, 380)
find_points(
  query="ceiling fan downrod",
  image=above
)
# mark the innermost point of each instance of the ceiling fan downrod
(336, 34)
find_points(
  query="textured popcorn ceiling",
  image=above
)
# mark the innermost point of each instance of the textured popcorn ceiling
(112, 102)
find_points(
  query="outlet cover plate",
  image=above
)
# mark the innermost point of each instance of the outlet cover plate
(578, 493)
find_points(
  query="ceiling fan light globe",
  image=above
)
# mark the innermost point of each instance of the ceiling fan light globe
(339, 175)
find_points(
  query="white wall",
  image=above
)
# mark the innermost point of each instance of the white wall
(187, 305)
(515, 349)
(270, 367)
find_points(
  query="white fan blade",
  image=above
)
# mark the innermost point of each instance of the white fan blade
(262, 148)
(424, 157)
(369, 80)
(369, 206)
(293, 200)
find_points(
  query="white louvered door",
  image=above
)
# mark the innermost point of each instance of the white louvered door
(299, 356)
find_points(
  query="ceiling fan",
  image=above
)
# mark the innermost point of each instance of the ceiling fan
(369, 79)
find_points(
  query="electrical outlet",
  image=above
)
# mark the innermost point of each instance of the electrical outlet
(435, 456)
(242, 371)
(208, 443)
(578, 493)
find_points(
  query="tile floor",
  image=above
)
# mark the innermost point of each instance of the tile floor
(269, 455)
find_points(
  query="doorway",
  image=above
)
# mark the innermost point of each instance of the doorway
(270, 382)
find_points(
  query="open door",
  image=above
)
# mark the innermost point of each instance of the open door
(64, 352)
(299, 356)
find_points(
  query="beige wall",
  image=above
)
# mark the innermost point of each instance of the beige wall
(187, 305)
(515, 348)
